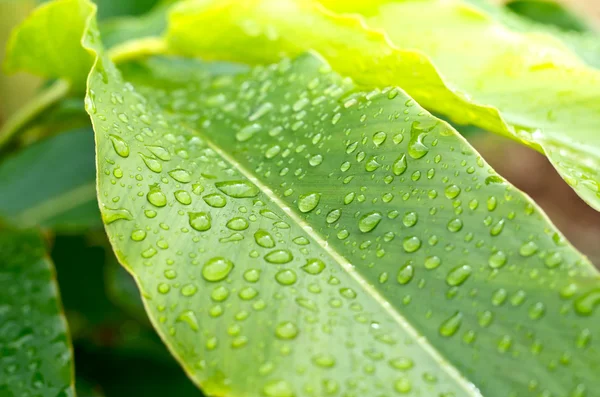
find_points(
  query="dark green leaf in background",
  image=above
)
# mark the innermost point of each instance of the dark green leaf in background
(35, 349)
(52, 184)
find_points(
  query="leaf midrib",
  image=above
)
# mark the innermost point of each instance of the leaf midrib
(348, 267)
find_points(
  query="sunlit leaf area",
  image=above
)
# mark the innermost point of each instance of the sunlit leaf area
(299, 198)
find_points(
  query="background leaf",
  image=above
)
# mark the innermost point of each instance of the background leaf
(549, 13)
(51, 184)
(36, 349)
(527, 87)
(30, 42)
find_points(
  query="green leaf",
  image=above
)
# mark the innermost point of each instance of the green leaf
(52, 32)
(51, 184)
(36, 350)
(340, 241)
(529, 87)
(549, 13)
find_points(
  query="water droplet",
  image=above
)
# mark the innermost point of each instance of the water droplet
(190, 319)
(119, 145)
(215, 200)
(138, 235)
(189, 290)
(400, 165)
(379, 138)
(153, 164)
(497, 259)
(183, 197)
(411, 244)
(247, 132)
(264, 239)
(451, 325)
(278, 388)
(410, 219)
(237, 224)
(432, 262)
(403, 385)
(308, 202)
(216, 269)
(314, 266)
(454, 225)
(369, 221)
(452, 191)
(405, 274)
(458, 275)
(333, 216)
(238, 189)
(286, 277)
(180, 175)
(324, 360)
(279, 257)
(200, 221)
(156, 197)
(286, 330)
(528, 249)
(537, 311)
(110, 215)
(315, 160)
(585, 304)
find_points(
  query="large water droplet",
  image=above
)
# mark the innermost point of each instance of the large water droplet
(216, 269)
(369, 221)
(286, 330)
(279, 257)
(156, 197)
(199, 221)
(314, 266)
(215, 200)
(238, 189)
(458, 275)
(308, 202)
(119, 145)
(264, 239)
(451, 325)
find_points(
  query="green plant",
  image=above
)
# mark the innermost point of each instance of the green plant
(296, 223)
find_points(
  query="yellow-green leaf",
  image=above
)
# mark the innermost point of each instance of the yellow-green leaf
(529, 87)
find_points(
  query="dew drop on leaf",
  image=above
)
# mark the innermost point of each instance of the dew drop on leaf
(238, 189)
(216, 269)
(279, 257)
(308, 202)
(458, 275)
(119, 145)
(200, 221)
(369, 221)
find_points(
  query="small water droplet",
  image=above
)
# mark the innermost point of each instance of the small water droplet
(451, 325)
(279, 257)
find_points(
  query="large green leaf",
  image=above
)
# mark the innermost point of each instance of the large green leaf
(36, 357)
(293, 235)
(529, 87)
(51, 184)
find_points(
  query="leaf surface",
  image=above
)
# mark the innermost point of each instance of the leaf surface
(36, 349)
(529, 87)
(284, 217)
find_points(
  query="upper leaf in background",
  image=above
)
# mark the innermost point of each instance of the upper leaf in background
(281, 217)
(549, 13)
(48, 42)
(51, 184)
(36, 357)
(526, 86)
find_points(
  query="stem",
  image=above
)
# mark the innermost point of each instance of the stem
(37, 105)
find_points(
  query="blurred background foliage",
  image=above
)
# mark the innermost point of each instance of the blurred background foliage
(116, 349)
